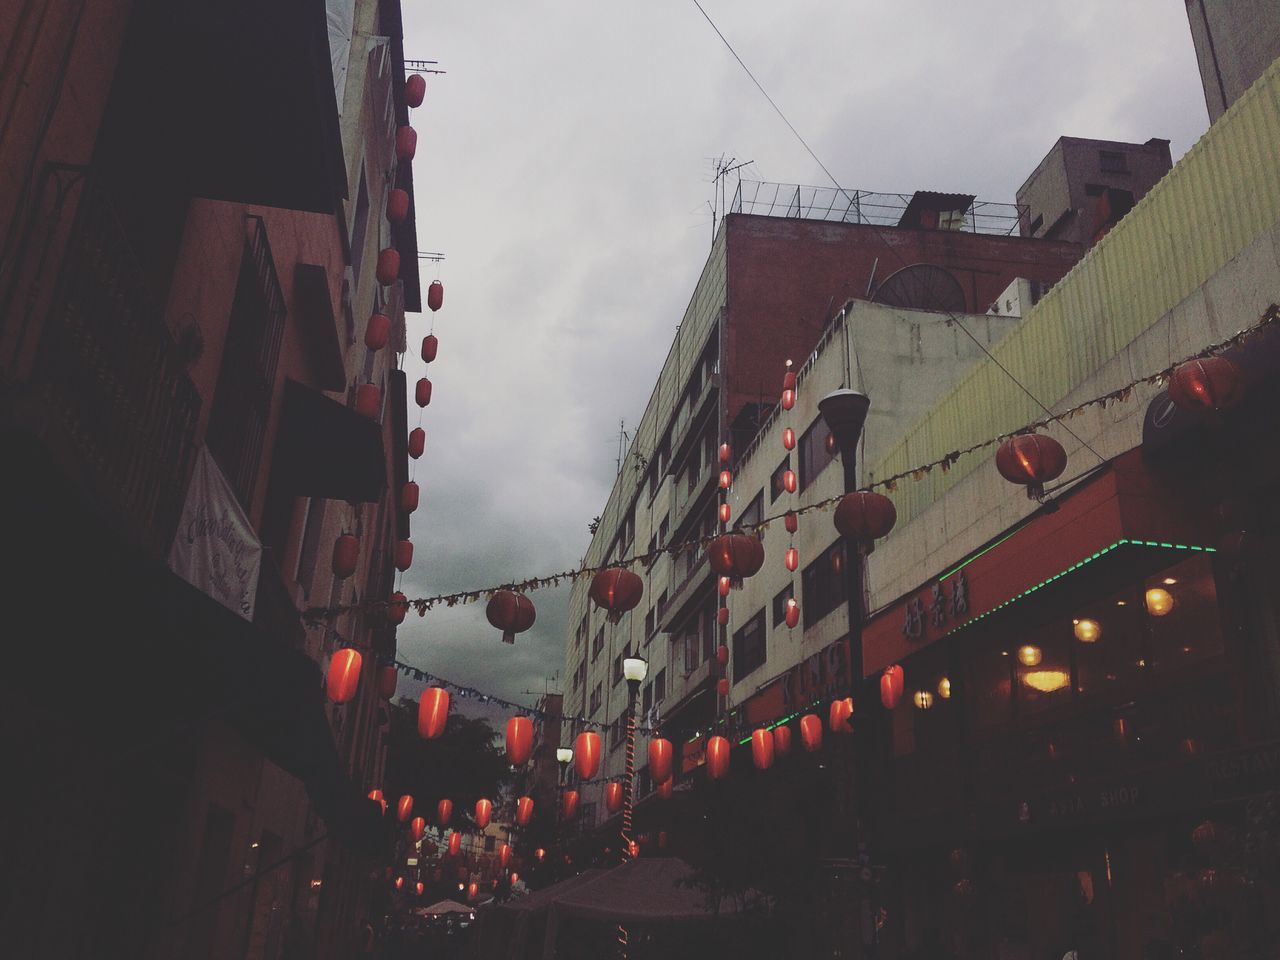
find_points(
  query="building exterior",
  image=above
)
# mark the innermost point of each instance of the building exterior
(187, 279)
(1235, 40)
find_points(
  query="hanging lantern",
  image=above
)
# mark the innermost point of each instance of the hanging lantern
(484, 810)
(722, 616)
(725, 513)
(717, 757)
(387, 680)
(404, 555)
(811, 732)
(430, 347)
(404, 808)
(865, 516)
(666, 788)
(726, 479)
(791, 521)
(504, 855)
(613, 796)
(736, 554)
(539, 854)
(1031, 459)
(788, 399)
(791, 559)
(792, 613)
(398, 205)
(433, 712)
(417, 442)
(473, 890)
(616, 590)
(346, 551)
(455, 843)
(419, 886)
(789, 481)
(724, 585)
(722, 655)
(586, 754)
(660, 754)
(569, 804)
(397, 610)
(892, 684)
(344, 675)
(378, 331)
(406, 142)
(444, 812)
(399, 883)
(1206, 386)
(726, 453)
(519, 740)
(762, 748)
(418, 827)
(435, 295)
(511, 613)
(376, 796)
(368, 400)
(789, 439)
(782, 740)
(409, 497)
(789, 378)
(388, 268)
(415, 88)
(422, 392)
(722, 686)
(840, 715)
(524, 811)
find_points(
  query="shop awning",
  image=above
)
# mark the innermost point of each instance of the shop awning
(1127, 515)
(325, 449)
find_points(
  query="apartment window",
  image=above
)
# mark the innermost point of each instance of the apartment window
(754, 512)
(660, 686)
(597, 644)
(817, 449)
(359, 227)
(595, 700)
(776, 489)
(650, 619)
(691, 474)
(662, 603)
(580, 637)
(617, 667)
(710, 449)
(626, 533)
(1112, 161)
(780, 603)
(658, 468)
(490, 841)
(646, 698)
(823, 583)
(1036, 224)
(749, 647)
(664, 528)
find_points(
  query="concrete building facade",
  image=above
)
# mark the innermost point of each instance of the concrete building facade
(1235, 40)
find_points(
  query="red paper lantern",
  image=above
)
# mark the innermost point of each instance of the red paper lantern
(346, 551)
(539, 854)
(892, 684)
(791, 559)
(616, 590)
(404, 555)
(726, 479)
(762, 748)
(724, 585)
(1208, 385)
(435, 296)
(789, 481)
(782, 740)
(514, 878)
(368, 400)
(417, 442)
(666, 788)
(792, 613)
(569, 804)
(399, 883)
(736, 554)
(422, 392)
(519, 740)
(789, 439)
(717, 757)
(811, 732)
(722, 655)
(419, 886)
(430, 347)
(613, 796)
(725, 513)
(841, 712)
(1031, 459)
(409, 497)
(511, 613)
(387, 680)
(376, 795)
(789, 378)
(660, 755)
(473, 890)
(406, 143)
(484, 811)
(398, 205)
(788, 399)
(722, 686)
(722, 616)
(865, 516)
(377, 332)
(586, 754)
(433, 712)
(397, 610)
(504, 855)
(404, 807)
(388, 269)
(726, 453)
(444, 812)
(344, 675)
(524, 811)
(418, 827)
(455, 843)
(415, 88)
(791, 521)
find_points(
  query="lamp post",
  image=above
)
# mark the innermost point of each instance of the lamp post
(634, 669)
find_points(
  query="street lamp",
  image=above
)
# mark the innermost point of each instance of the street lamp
(634, 669)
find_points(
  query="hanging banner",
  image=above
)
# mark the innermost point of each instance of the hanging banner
(215, 549)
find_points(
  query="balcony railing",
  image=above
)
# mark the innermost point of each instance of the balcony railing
(113, 384)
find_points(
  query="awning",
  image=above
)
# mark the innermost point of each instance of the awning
(324, 449)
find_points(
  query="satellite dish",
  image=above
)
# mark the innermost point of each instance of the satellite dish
(921, 286)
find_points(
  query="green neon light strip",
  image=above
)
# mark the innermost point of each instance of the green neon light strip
(1071, 569)
(964, 563)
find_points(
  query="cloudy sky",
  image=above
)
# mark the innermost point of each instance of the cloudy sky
(564, 167)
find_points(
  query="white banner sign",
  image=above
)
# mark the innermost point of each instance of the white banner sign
(215, 548)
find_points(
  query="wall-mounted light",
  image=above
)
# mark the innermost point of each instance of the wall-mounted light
(1029, 655)
(1086, 631)
(923, 699)
(1046, 681)
(1159, 601)
(944, 688)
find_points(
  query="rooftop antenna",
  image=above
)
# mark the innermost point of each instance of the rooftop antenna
(623, 437)
(719, 206)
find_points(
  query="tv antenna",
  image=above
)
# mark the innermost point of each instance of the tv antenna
(623, 437)
(719, 203)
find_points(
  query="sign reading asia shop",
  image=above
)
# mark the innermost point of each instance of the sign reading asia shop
(215, 548)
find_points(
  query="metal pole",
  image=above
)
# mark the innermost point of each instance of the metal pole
(628, 793)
